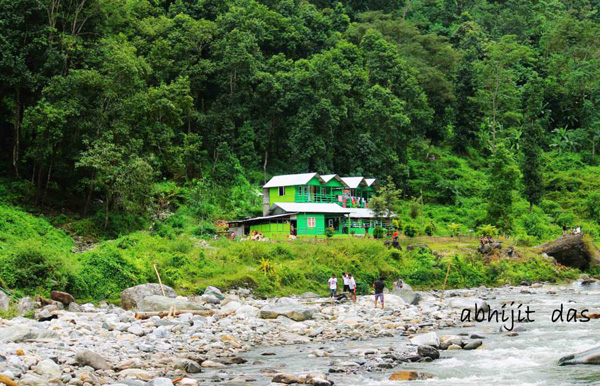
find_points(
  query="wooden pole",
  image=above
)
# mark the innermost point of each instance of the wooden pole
(162, 288)
(445, 281)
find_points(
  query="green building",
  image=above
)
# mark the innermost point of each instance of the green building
(307, 204)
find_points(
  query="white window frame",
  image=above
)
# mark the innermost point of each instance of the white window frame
(311, 220)
(331, 222)
(281, 189)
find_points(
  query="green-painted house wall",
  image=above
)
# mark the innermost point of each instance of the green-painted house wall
(314, 181)
(290, 194)
(272, 229)
(304, 229)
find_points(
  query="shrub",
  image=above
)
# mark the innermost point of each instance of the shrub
(410, 230)
(378, 232)
(329, 231)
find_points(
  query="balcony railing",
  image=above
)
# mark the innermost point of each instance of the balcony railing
(331, 198)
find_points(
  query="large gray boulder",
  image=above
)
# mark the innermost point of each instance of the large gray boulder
(20, 332)
(297, 312)
(588, 357)
(469, 304)
(575, 251)
(161, 303)
(408, 295)
(4, 301)
(92, 359)
(131, 298)
(214, 291)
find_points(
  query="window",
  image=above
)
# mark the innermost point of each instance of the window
(311, 222)
(331, 223)
(281, 191)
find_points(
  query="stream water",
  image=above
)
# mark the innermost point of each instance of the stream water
(530, 358)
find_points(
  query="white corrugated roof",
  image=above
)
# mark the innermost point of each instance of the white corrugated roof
(364, 213)
(311, 207)
(353, 182)
(329, 177)
(370, 181)
(291, 180)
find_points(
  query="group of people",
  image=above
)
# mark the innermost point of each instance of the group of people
(574, 231)
(350, 287)
(486, 240)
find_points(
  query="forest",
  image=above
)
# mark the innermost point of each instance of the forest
(165, 116)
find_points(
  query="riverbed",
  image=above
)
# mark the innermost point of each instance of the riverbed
(528, 358)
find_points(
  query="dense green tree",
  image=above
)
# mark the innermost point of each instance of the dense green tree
(502, 182)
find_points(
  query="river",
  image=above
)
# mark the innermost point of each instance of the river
(530, 358)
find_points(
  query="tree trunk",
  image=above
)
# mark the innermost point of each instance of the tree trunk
(265, 166)
(531, 207)
(17, 131)
(47, 181)
(106, 209)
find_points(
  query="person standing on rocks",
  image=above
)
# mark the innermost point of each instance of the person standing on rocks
(352, 287)
(332, 287)
(379, 286)
(346, 278)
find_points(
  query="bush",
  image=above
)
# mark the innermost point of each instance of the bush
(410, 230)
(33, 266)
(329, 232)
(378, 232)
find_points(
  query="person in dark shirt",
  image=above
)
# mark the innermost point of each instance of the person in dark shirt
(379, 286)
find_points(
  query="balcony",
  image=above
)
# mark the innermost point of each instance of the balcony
(350, 202)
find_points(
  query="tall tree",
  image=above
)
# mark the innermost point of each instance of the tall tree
(502, 181)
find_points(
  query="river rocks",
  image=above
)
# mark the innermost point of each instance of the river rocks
(7, 381)
(469, 304)
(214, 291)
(286, 379)
(448, 340)
(297, 312)
(188, 366)
(63, 297)
(428, 352)
(472, 345)
(426, 339)
(160, 382)
(409, 376)
(4, 301)
(162, 303)
(230, 307)
(573, 251)
(92, 359)
(588, 357)
(20, 332)
(407, 295)
(48, 369)
(26, 304)
(131, 298)
(212, 364)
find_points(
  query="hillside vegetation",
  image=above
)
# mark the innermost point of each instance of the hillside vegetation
(130, 129)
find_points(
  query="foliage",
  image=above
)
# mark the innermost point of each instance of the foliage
(329, 231)
(378, 232)
(410, 230)
(502, 178)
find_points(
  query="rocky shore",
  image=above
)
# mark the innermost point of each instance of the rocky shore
(166, 340)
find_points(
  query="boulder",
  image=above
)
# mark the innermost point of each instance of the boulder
(426, 339)
(214, 291)
(27, 304)
(162, 303)
(19, 333)
(63, 297)
(449, 340)
(4, 300)
(286, 379)
(428, 352)
(248, 311)
(489, 247)
(469, 304)
(407, 375)
(297, 312)
(577, 251)
(131, 298)
(48, 368)
(92, 359)
(188, 366)
(472, 345)
(588, 357)
(408, 295)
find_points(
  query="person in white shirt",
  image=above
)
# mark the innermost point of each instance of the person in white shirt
(346, 278)
(332, 287)
(352, 287)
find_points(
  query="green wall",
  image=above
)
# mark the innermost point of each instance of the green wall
(290, 192)
(272, 229)
(303, 229)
